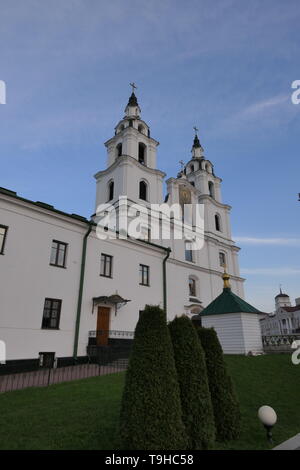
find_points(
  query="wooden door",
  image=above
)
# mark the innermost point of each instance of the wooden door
(102, 326)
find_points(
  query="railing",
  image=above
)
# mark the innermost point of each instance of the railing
(279, 343)
(111, 334)
(103, 358)
(44, 377)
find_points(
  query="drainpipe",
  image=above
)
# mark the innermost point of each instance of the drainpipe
(80, 292)
(165, 279)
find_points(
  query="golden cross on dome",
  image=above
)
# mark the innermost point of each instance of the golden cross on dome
(133, 85)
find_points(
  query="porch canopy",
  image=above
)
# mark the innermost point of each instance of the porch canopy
(114, 299)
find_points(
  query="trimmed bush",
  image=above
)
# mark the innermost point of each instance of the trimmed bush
(224, 400)
(197, 410)
(151, 417)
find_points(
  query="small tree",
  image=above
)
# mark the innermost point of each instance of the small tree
(151, 417)
(224, 400)
(197, 410)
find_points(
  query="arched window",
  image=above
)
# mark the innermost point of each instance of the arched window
(218, 223)
(142, 153)
(192, 287)
(211, 189)
(111, 186)
(192, 168)
(119, 150)
(222, 259)
(143, 190)
(140, 128)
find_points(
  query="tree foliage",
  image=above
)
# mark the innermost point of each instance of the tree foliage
(197, 410)
(151, 417)
(224, 400)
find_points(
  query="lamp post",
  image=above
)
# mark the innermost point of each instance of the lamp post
(268, 418)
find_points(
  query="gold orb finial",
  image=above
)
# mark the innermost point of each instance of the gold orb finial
(226, 279)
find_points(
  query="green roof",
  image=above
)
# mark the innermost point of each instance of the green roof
(228, 302)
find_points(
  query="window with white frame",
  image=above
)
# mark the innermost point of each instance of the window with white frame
(218, 223)
(3, 233)
(144, 275)
(188, 251)
(106, 265)
(51, 314)
(222, 259)
(192, 287)
(58, 254)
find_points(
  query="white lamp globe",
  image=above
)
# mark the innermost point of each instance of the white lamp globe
(267, 416)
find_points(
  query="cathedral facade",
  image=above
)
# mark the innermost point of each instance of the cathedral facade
(62, 286)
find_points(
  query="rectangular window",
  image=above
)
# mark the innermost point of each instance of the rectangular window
(188, 252)
(51, 314)
(222, 259)
(58, 254)
(144, 275)
(106, 265)
(3, 232)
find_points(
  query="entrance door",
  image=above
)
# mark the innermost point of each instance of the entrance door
(102, 326)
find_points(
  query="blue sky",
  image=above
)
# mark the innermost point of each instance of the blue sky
(225, 66)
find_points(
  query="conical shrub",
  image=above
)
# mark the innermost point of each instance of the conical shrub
(224, 400)
(197, 410)
(151, 417)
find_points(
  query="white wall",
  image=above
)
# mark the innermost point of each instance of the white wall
(252, 332)
(229, 329)
(238, 333)
(26, 279)
(127, 256)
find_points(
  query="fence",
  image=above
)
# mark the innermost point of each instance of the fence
(100, 360)
(46, 377)
(279, 343)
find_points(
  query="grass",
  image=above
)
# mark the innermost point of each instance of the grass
(84, 414)
(74, 415)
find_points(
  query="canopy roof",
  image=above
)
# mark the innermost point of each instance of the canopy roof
(110, 299)
(228, 302)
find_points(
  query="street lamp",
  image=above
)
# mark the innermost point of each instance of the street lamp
(268, 418)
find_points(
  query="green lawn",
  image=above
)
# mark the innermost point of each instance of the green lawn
(84, 414)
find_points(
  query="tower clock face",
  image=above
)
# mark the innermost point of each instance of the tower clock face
(184, 195)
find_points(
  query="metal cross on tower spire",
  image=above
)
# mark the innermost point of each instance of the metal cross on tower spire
(133, 85)
(196, 130)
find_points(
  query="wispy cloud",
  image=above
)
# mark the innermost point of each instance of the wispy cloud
(265, 105)
(268, 241)
(285, 271)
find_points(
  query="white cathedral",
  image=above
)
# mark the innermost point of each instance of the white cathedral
(60, 285)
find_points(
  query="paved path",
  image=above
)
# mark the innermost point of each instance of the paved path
(290, 444)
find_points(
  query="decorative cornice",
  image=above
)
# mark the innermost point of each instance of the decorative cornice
(216, 203)
(202, 269)
(130, 130)
(128, 160)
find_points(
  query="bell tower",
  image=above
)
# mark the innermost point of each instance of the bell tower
(131, 161)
